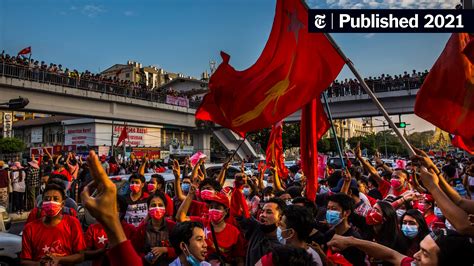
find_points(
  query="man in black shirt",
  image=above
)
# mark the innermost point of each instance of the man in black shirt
(261, 234)
(339, 207)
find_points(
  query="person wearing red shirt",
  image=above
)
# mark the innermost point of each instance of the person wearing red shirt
(151, 239)
(56, 238)
(229, 240)
(96, 238)
(157, 183)
(137, 208)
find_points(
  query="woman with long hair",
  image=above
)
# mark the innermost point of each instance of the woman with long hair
(414, 229)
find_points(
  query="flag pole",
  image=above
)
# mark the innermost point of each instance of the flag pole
(339, 150)
(238, 147)
(371, 94)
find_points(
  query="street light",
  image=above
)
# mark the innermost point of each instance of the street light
(384, 136)
(17, 103)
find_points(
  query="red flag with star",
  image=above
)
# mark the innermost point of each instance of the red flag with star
(314, 124)
(294, 68)
(274, 151)
(446, 98)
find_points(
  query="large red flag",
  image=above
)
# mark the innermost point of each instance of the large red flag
(275, 151)
(314, 124)
(459, 142)
(446, 98)
(123, 136)
(26, 50)
(294, 67)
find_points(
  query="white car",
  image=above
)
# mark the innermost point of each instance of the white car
(10, 246)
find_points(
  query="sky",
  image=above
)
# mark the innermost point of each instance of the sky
(184, 35)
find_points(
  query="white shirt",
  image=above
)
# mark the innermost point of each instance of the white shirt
(18, 186)
(315, 256)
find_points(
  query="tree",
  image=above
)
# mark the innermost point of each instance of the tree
(11, 145)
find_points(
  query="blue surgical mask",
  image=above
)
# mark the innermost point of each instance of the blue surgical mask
(437, 212)
(288, 202)
(191, 259)
(333, 217)
(410, 231)
(185, 187)
(246, 191)
(279, 237)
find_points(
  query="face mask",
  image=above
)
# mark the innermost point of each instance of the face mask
(410, 231)
(374, 218)
(266, 198)
(333, 217)
(51, 208)
(207, 194)
(246, 191)
(400, 213)
(191, 259)
(395, 183)
(185, 187)
(420, 206)
(288, 202)
(135, 188)
(437, 212)
(380, 172)
(280, 238)
(157, 212)
(215, 215)
(151, 187)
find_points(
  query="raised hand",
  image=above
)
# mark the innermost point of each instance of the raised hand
(176, 169)
(357, 151)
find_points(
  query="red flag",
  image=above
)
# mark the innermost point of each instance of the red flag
(294, 67)
(314, 124)
(26, 50)
(446, 98)
(275, 151)
(457, 141)
(123, 136)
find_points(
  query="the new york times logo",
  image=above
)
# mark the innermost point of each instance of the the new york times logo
(390, 20)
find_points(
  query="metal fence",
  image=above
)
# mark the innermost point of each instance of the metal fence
(42, 76)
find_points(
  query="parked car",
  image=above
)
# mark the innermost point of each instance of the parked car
(214, 169)
(335, 162)
(10, 245)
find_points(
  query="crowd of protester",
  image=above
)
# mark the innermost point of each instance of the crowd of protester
(383, 83)
(363, 215)
(31, 69)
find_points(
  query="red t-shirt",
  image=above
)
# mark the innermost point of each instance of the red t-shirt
(384, 188)
(431, 220)
(231, 242)
(169, 206)
(96, 238)
(64, 239)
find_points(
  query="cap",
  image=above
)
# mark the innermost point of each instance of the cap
(221, 198)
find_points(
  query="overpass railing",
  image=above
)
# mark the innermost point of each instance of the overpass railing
(42, 76)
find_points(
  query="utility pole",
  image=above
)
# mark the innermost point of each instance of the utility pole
(112, 139)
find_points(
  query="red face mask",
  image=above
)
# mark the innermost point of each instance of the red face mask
(135, 188)
(51, 208)
(157, 212)
(421, 206)
(373, 218)
(216, 215)
(151, 187)
(395, 183)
